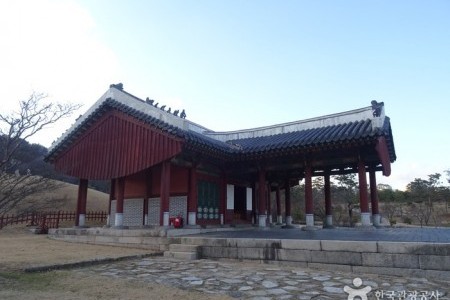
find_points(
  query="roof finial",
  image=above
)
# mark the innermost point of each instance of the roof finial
(118, 86)
(376, 107)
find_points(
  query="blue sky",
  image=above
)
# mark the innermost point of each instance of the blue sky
(242, 64)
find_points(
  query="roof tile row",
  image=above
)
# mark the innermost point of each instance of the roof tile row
(342, 133)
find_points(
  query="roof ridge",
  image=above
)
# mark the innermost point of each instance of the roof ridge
(294, 126)
(339, 127)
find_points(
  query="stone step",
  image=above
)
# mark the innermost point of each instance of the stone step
(181, 255)
(184, 248)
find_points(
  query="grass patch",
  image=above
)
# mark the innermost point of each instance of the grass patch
(31, 281)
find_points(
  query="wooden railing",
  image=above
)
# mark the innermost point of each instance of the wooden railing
(46, 220)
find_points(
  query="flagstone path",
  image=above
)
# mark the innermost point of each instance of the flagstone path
(249, 280)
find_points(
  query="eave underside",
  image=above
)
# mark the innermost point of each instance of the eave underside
(114, 144)
(291, 164)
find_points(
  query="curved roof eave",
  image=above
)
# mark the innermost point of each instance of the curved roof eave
(327, 130)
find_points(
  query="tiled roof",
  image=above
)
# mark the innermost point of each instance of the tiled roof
(357, 131)
(295, 135)
(109, 103)
(202, 141)
(307, 138)
(144, 117)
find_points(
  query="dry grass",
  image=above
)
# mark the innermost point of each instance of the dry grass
(96, 200)
(66, 285)
(46, 194)
(61, 196)
(439, 216)
(20, 249)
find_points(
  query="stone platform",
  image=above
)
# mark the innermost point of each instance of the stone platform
(152, 238)
(416, 252)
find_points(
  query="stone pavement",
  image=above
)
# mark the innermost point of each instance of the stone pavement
(259, 281)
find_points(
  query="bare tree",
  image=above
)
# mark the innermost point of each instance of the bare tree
(423, 194)
(446, 190)
(18, 192)
(26, 193)
(318, 198)
(346, 192)
(422, 212)
(392, 210)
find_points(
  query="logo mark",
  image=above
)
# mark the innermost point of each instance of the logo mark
(360, 293)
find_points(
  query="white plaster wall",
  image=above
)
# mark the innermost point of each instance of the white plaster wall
(133, 210)
(178, 206)
(249, 198)
(230, 196)
(154, 205)
(112, 217)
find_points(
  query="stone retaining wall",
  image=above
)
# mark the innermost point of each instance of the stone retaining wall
(417, 259)
(152, 239)
(388, 258)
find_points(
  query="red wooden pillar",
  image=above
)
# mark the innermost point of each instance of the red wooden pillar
(278, 199)
(309, 205)
(262, 198)
(328, 208)
(112, 190)
(81, 203)
(192, 196)
(287, 202)
(374, 197)
(363, 197)
(119, 202)
(77, 213)
(165, 193)
(148, 193)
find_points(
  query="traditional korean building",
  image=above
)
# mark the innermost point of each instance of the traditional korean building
(162, 165)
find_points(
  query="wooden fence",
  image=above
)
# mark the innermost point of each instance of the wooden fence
(46, 220)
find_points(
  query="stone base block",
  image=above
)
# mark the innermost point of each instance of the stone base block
(184, 248)
(351, 246)
(309, 220)
(334, 267)
(181, 255)
(288, 220)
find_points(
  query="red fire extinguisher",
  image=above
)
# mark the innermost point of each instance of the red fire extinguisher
(178, 222)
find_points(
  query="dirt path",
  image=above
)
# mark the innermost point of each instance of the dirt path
(20, 249)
